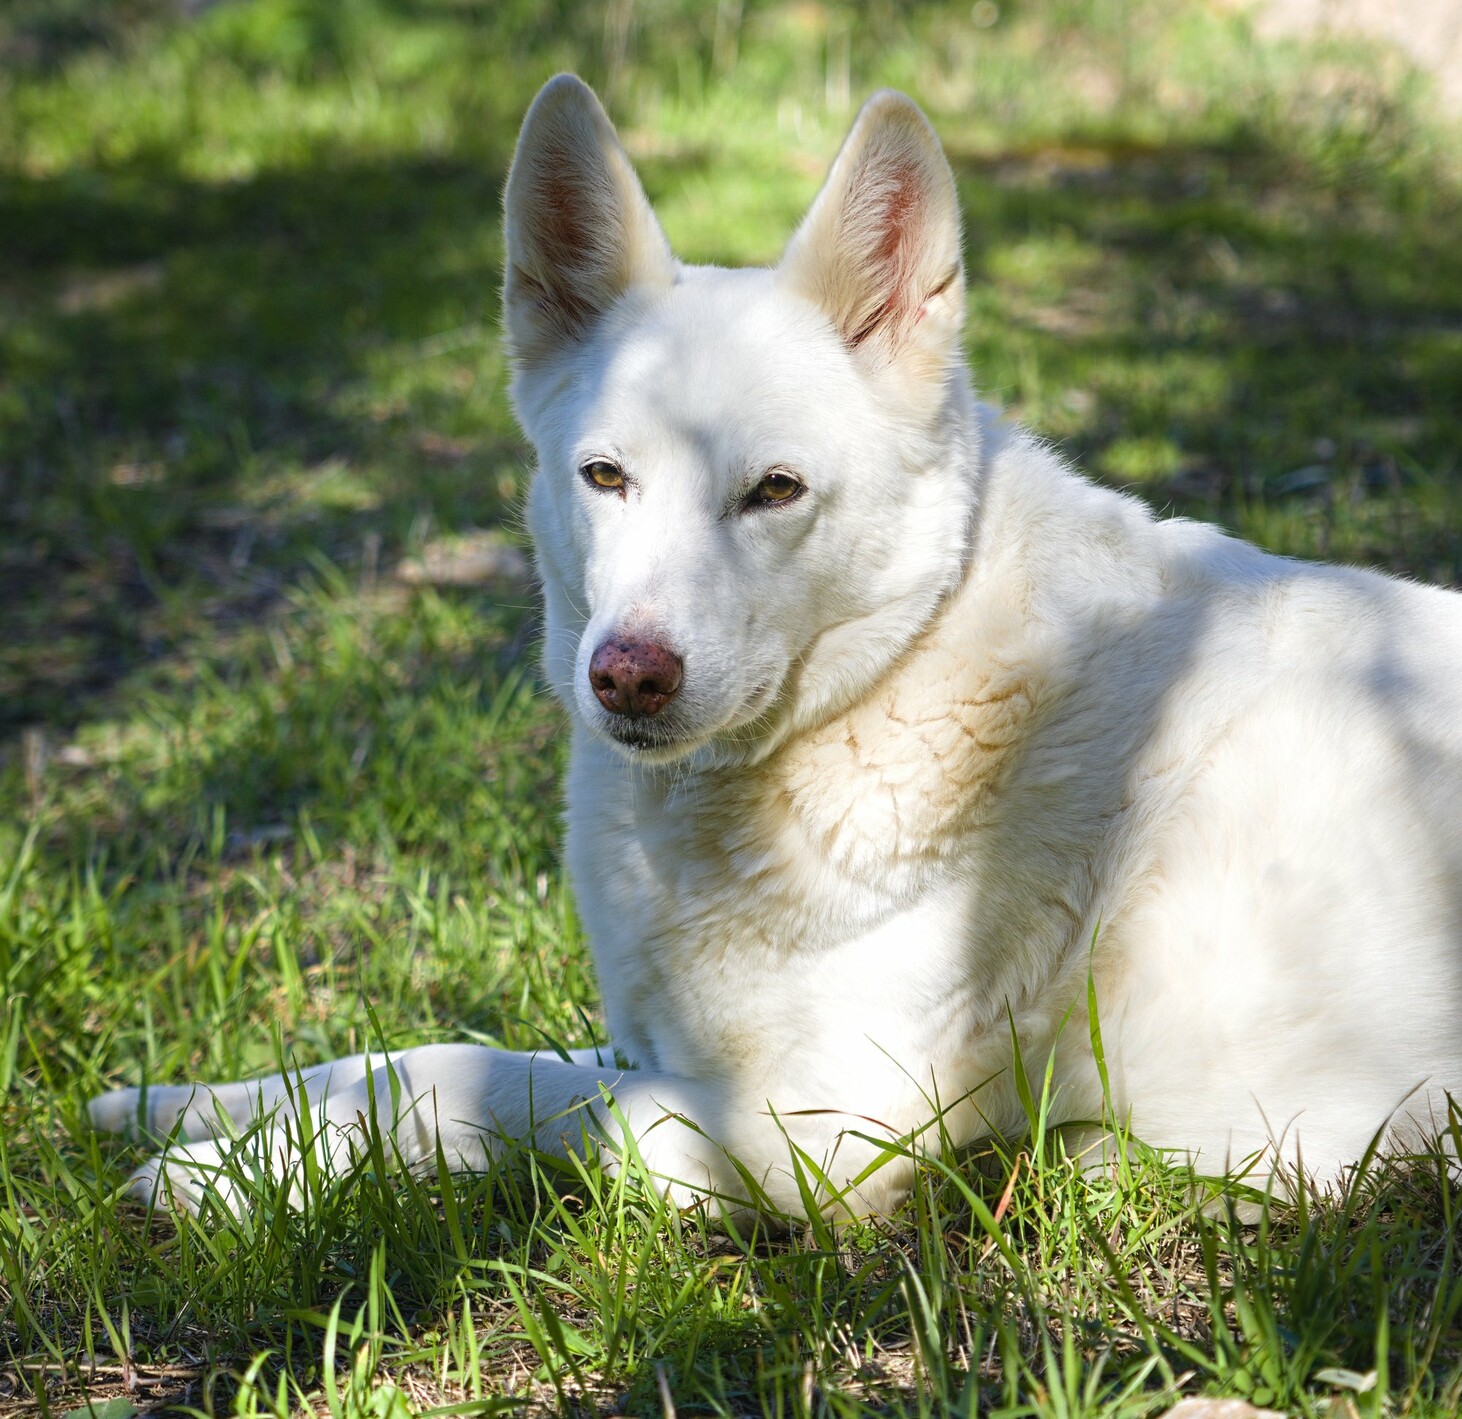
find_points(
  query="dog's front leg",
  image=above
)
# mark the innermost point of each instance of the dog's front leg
(466, 1099)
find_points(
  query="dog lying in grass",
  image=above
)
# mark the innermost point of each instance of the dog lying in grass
(895, 744)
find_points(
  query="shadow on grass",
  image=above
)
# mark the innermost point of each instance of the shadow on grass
(203, 382)
(1235, 338)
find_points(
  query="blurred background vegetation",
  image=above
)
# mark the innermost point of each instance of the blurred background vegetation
(249, 255)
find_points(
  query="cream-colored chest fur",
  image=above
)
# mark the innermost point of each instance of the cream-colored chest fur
(739, 896)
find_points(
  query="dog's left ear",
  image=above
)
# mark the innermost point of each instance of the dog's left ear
(879, 250)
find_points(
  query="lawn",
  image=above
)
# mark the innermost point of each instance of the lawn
(277, 768)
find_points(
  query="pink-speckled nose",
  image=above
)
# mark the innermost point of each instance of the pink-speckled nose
(633, 676)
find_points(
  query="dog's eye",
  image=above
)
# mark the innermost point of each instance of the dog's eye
(776, 487)
(601, 473)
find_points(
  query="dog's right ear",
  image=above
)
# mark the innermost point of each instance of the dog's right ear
(580, 232)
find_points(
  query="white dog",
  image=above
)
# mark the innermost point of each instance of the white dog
(890, 731)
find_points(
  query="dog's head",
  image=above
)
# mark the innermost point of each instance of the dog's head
(747, 498)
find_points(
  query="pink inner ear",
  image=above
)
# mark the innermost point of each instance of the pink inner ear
(569, 245)
(560, 205)
(899, 229)
(562, 230)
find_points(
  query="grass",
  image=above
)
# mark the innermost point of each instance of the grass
(275, 786)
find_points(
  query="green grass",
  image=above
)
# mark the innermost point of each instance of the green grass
(265, 796)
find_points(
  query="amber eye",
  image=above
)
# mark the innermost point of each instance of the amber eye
(776, 487)
(601, 473)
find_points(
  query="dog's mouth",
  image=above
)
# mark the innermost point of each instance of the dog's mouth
(641, 734)
(664, 738)
(657, 739)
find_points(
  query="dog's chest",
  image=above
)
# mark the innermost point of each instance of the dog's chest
(724, 901)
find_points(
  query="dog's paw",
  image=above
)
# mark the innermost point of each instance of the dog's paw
(191, 1176)
(157, 1111)
(235, 1176)
(272, 1162)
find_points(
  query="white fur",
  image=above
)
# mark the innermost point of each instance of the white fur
(947, 719)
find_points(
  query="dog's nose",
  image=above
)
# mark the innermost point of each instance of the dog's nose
(632, 676)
